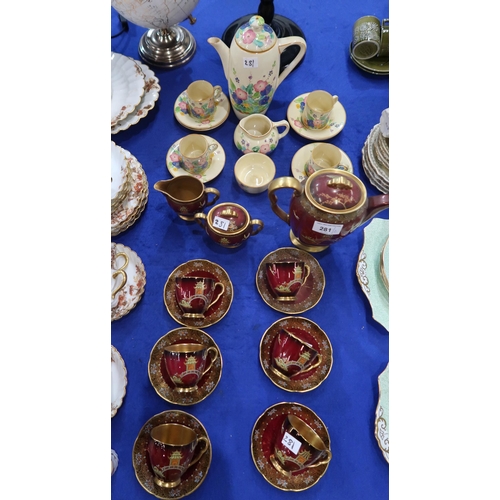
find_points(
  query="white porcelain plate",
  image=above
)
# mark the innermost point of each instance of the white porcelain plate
(127, 86)
(368, 270)
(151, 94)
(382, 413)
(118, 380)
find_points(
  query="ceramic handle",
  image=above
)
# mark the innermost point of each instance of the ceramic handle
(217, 94)
(212, 147)
(215, 192)
(282, 123)
(285, 42)
(218, 284)
(323, 462)
(201, 219)
(310, 367)
(212, 357)
(201, 439)
(280, 183)
(259, 225)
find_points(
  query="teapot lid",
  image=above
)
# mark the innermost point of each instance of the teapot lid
(335, 191)
(229, 217)
(255, 35)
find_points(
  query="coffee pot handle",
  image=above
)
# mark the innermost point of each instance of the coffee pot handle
(280, 183)
(285, 42)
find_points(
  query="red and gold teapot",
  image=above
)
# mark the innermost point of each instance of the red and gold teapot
(325, 207)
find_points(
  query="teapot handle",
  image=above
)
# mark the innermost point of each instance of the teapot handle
(285, 42)
(280, 183)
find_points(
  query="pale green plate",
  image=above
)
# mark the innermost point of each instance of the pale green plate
(368, 270)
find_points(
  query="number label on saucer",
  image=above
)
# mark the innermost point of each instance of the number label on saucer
(291, 443)
(329, 229)
(250, 62)
(221, 223)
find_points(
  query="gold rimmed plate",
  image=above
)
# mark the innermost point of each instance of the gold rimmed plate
(309, 332)
(310, 292)
(160, 379)
(192, 478)
(202, 268)
(262, 446)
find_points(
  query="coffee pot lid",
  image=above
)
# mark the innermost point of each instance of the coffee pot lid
(255, 35)
(235, 215)
(335, 190)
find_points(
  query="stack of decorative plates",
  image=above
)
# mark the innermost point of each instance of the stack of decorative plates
(376, 154)
(132, 193)
(134, 91)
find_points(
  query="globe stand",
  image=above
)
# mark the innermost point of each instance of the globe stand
(167, 48)
(281, 25)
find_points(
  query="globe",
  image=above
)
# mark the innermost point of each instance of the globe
(165, 44)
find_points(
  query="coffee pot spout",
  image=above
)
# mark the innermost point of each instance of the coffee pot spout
(223, 51)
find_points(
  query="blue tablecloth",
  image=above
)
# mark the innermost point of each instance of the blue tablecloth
(347, 399)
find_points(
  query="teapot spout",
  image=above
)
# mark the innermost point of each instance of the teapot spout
(375, 205)
(223, 51)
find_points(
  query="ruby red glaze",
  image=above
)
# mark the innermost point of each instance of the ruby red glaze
(185, 369)
(285, 278)
(170, 462)
(297, 459)
(194, 293)
(290, 355)
(236, 221)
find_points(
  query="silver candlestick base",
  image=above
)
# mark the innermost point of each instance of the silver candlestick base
(167, 48)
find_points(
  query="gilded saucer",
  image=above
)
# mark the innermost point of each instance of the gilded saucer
(335, 125)
(182, 115)
(307, 331)
(309, 294)
(199, 267)
(192, 478)
(160, 379)
(217, 161)
(382, 413)
(368, 270)
(375, 65)
(118, 380)
(301, 158)
(263, 432)
(130, 295)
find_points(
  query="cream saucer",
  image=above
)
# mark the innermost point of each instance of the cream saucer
(160, 379)
(182, 116)
(335, 125)
(192, 478)
(129, 296)
(217, 159)
(301, 158)
(309, 332)
(262, 446)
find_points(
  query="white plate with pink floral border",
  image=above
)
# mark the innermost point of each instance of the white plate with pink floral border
(128, 295)
(127, 87)
(335, 124)
(118, 380)
(151, 94)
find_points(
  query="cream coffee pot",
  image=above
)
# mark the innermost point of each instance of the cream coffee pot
(252, 63)
(327, 206)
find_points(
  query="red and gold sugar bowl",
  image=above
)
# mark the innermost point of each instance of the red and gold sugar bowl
(325, 207)
(229, 224)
